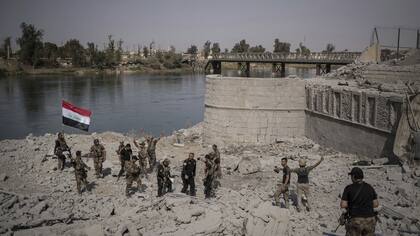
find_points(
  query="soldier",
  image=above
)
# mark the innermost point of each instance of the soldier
(151, 150)
(359, 199)
(126, 156)
(163, 178)
(133, 175)
(217, 168)
(80, 171)
(97, 151)
(188, 174)
(209, 176)
(143, 156)
(120, 148)
(283, 188)
(60, 147)
(303, 182)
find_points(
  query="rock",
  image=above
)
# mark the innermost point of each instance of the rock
(267, 220)
(182, 217)
(10, 203)
(394, 174)
(3, 177)
(107, 212)
(249, 165)
(39, 208)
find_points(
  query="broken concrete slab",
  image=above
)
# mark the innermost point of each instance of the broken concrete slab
(249, 165)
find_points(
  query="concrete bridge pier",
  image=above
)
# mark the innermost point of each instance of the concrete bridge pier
(244, 68)
(279, 68)
(217, 67)
(323, 69)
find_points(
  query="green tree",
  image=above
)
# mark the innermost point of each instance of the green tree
(30, 44)
(257, 49)
(241, 47)
(206, 48)
(281, 47)
(50, 52)
(110, 51)
(74, 50)
(215, 49)
(172, 49)
(192, 50)
(145, 51)
(302, 49)
(92, 54)
(119, 51)
(329, 48)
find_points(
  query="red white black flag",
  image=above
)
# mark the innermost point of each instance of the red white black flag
(75, 116)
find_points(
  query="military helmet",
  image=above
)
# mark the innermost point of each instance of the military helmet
(302, 163)
(166, 161)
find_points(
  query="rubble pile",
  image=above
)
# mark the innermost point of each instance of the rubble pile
(36, 199)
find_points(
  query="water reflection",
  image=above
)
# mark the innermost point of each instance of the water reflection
(124, 103)
(119, 103)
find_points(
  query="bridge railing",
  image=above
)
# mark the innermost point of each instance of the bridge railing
(268, 56)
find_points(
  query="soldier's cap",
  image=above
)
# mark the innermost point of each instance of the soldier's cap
(166, 160)
(356, 172)
(128, 145)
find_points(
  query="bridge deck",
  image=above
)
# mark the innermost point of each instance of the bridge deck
(337, 58)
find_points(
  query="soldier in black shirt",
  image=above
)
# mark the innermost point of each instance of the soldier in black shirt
(188, 174)
(359, 199)
(283, 187)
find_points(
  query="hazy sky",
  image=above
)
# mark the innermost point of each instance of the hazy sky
(347, 24)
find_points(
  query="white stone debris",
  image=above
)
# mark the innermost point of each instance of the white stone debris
(36, 199)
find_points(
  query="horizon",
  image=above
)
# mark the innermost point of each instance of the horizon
(345, 24)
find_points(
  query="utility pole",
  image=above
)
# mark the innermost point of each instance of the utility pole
(398, 43)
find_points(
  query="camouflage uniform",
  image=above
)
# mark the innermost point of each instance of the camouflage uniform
(188, 175)
(361, 226)
(215, 156)
(60, 147)
(120, 148)
(80, 171)
(99, 155)
(143, 159)
(133, 175)
(163, 178)
(143, 156)
(209, 176)
(283, 188)
(151, 151)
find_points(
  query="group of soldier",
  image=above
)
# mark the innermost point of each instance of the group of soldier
(358, 199)
(147, 163)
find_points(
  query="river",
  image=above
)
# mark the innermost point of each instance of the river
(154, 104)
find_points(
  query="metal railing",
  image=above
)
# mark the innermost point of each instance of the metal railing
(332, 57)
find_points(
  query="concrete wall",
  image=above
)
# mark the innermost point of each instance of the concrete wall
(355, 121)
(253, 110)
(371, 54)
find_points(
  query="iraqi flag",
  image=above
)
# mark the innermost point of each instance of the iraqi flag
(75, 116)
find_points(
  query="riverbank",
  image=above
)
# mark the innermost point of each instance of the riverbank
(36, 199)
(81, 71)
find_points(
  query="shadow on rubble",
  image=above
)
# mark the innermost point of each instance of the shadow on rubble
(106, 172)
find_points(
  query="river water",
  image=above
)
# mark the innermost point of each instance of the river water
(126, 103)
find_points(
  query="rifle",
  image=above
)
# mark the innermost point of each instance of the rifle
(343, 220)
